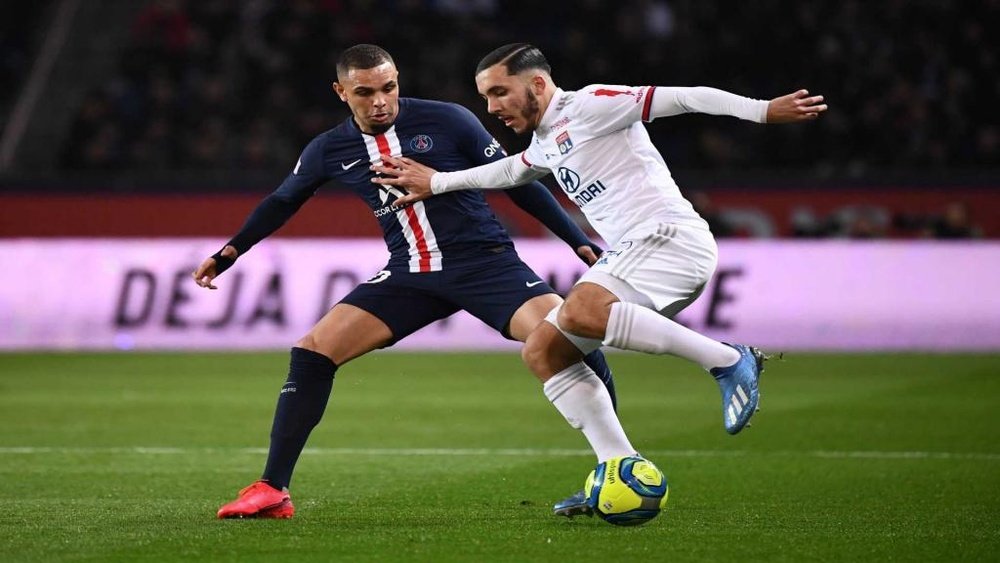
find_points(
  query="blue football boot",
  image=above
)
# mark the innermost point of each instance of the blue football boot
(575, 505)
(738, 384)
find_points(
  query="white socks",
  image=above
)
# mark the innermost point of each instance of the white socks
(583, 400)
(634, 327)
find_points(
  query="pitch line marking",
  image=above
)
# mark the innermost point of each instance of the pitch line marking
(501, 452)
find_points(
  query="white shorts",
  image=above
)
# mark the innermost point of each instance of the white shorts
(664, 267)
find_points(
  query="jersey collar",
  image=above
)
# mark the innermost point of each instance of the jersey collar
(545, 123)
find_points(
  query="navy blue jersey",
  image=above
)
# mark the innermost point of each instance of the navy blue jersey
(429, 234)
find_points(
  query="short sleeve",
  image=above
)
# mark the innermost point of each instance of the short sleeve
(604, 108)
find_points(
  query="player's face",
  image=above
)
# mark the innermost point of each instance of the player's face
(511, 98)
(373, 96)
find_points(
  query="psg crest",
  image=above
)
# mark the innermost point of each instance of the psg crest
(421, 143)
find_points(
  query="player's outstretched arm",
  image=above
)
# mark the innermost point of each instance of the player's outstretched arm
(270, 214)
(422, 182)
(794, 107)
(405, 173)
(797, 106)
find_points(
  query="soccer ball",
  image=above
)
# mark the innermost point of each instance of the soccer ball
(626, 490)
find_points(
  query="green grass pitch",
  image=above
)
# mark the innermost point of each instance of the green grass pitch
(458, 457)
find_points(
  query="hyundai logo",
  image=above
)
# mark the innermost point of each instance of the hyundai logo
(569, 179)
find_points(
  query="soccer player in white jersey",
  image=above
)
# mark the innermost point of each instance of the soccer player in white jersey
(660, 254)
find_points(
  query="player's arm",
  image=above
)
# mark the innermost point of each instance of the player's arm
(604, 108)
(421, 181)
(481, 148)
(797, 106)
(538, 201)
(269, 215)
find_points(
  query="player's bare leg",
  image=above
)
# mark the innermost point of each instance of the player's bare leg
(343, 334)
(529, 315)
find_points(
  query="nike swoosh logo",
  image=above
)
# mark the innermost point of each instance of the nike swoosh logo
(348, 166)
(532, 284)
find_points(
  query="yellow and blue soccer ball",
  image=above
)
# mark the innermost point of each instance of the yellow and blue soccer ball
(626, 490)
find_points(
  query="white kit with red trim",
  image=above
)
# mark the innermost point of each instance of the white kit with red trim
(594, 143)
(425, 256)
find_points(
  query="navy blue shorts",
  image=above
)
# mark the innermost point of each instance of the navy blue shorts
(491, 289)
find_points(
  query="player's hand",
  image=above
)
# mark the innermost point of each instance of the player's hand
(408, 174)
(797, 106)
(587, 253)
(206, 272)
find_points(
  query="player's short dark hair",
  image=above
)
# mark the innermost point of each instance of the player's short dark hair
(362, 57)
(516, 57)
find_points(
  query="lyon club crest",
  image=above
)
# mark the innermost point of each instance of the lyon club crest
(421, 143)
(564, 142)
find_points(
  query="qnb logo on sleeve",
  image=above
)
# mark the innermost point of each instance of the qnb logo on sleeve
(492, 149)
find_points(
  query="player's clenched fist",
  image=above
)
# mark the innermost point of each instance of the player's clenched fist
(797, 106)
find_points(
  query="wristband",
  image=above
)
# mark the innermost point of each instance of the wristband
(222, 263)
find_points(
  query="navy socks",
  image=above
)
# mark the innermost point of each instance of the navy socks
(300, 407)
(595, 361)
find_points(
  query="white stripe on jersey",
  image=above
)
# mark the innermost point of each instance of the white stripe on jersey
(425, 256)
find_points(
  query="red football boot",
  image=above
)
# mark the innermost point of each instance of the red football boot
(259, 500)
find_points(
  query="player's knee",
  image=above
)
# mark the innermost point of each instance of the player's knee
(546, 352)
(533, 355)
(308, 342)
(576, 317)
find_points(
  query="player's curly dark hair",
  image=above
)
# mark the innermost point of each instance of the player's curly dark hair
(362, 56)
(516, 57)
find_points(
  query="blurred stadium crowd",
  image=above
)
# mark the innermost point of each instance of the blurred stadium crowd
(224, 84)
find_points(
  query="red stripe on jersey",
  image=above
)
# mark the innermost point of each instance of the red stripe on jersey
(411, 215)
(647, 103)
(524, 159)
(611, 93)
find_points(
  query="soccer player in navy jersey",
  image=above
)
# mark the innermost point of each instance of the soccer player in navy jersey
(446, 255)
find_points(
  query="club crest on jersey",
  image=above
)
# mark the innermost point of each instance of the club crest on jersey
(564, 142)
(421, 143)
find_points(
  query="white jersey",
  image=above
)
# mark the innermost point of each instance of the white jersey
(595, 145)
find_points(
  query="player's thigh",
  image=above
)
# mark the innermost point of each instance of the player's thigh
(530, 314)
(404, 302)
(586, 310)
(346, 332)
(664, 268)
(497, 291)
